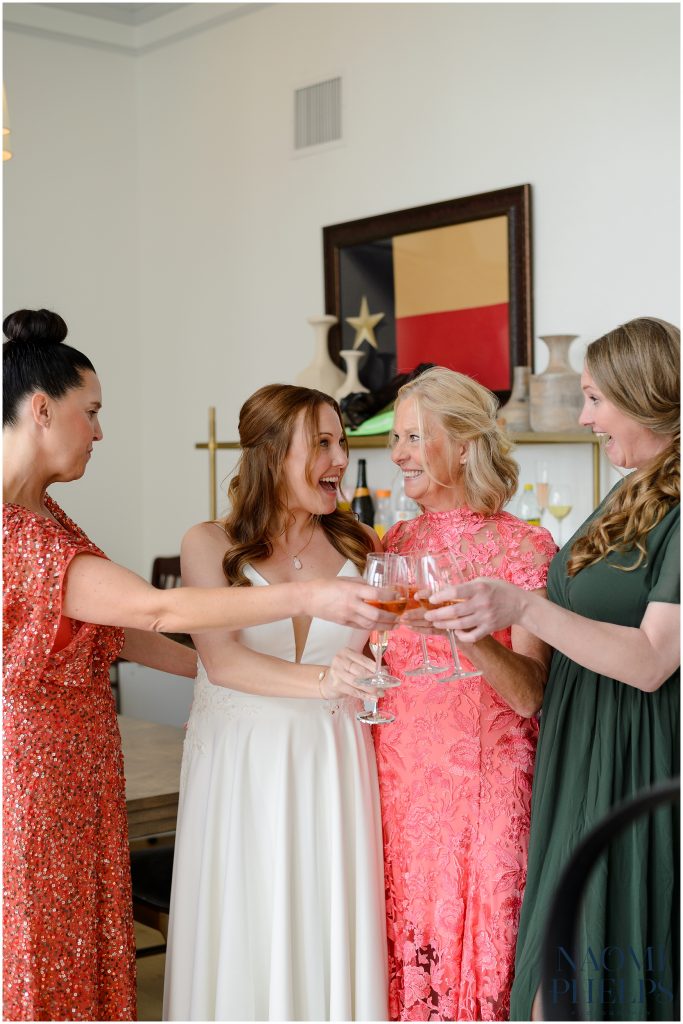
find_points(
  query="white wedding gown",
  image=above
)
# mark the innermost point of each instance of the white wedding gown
(277, 906)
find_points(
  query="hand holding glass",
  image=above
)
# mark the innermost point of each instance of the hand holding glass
(388, 575)
(436, 572)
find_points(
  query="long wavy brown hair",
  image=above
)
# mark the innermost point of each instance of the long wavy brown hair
(636, 366)
(257, 491)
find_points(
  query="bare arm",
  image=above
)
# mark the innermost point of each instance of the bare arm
(229, 663)
(643, 656)
(518, 675)
(157, 651)
(99, 591)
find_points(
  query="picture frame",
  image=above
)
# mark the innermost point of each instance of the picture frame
(452, 281)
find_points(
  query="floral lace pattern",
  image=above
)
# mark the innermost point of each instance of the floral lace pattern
(455, 772)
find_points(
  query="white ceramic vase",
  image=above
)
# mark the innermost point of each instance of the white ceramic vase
(352, 357)
(514, 416)
(321, 373)
(556, 397)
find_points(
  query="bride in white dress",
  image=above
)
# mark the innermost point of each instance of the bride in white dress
(277, 907)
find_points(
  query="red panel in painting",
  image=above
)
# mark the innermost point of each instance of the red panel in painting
(472, 341)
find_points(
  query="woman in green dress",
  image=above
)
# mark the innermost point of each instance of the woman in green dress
(610, 719)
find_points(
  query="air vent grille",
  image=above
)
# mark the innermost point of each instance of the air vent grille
(317, 113)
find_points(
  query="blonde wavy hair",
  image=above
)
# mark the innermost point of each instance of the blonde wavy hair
(467, 413)
(257, 491)
(637, 368)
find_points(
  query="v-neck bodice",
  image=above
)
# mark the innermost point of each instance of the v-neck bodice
(277, 638)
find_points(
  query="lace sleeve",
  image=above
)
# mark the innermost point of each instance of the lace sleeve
(531, 556)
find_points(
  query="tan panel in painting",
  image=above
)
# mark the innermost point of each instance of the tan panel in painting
(462, 266)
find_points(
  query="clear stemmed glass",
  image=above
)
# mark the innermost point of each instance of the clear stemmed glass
(388, 574)
(542, 486)
(427, 667)
(559, 506)
(434, 573)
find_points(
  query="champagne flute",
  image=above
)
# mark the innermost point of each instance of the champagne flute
(559, 506)
(427, 667)
(542, 486)
(435, 572)
(388, 575)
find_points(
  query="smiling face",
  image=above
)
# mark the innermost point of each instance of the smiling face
(629, 444)
(432, 465)
(73, 428)
(313, 477)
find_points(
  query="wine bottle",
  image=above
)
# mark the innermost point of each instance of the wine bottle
(528, 509)
(362, 504)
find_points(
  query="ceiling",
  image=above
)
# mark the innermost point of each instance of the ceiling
(125, 14)
(119, 27)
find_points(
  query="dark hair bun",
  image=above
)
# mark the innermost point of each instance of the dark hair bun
(35, 325)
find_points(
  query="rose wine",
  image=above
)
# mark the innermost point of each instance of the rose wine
(395, 605)
(426, 603)
(378, 641)
(542, 491)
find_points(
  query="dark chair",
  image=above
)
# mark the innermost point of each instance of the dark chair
(561, 927)
(166, 572)
(151, 869)
(165, 576)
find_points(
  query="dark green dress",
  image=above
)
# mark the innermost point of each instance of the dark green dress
(602, 741)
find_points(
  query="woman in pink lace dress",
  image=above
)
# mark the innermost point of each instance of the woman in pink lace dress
(455, 768)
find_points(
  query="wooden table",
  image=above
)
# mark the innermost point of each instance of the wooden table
(152, 754)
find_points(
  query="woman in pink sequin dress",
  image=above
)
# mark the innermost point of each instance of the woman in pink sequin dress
(68, 941)
(455, 768)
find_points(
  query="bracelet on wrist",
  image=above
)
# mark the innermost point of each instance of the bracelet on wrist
(321, 676)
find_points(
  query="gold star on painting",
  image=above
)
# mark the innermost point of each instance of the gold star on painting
(364, 325)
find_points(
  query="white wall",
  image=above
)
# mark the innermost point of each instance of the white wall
(70, 244)
(442, 100)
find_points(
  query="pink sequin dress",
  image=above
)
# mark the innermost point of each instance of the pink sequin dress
(455, 772)
(68, 941)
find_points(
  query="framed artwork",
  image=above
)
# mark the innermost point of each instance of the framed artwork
(449, 283)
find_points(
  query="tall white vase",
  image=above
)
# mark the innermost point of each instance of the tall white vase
(321, 373)
(556, 397)
(515, 414)
(352, 385)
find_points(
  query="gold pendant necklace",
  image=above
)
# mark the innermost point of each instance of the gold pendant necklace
(296, 560)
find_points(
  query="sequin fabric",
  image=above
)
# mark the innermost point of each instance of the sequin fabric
(68, 943)
(455, 772)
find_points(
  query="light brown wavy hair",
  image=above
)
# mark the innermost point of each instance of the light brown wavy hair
(257, 491)
(467, 412)
(637, 368)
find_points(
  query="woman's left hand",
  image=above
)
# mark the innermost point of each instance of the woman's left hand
(483, 606)
(342, 678)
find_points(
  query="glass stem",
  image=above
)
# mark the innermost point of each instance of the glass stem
(454, 651)
(425, 652)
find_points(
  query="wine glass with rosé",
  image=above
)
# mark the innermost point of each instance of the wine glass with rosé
(435, 572)
(542, 486)
(387, 573)
(427, 666)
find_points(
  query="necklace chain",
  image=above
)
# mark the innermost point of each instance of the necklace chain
(296, 560)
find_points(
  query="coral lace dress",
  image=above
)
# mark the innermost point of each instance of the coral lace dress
(69, 950)
(455, 772)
